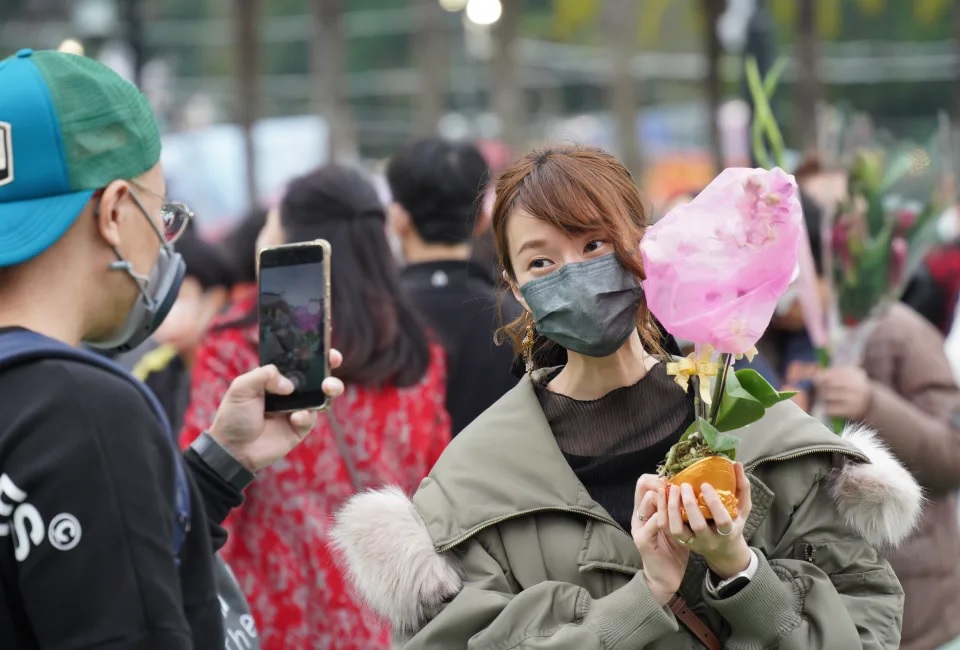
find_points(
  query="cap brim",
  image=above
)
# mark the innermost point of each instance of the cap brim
(27, 228)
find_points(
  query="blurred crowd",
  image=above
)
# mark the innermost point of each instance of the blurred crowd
(419, 300)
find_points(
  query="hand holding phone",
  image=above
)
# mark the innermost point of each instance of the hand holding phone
(294, 314)
(258, 439)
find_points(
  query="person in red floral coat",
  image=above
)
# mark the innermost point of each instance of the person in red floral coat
(392, 418)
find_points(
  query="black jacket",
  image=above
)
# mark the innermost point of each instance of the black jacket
(460, 302)
(86, 519)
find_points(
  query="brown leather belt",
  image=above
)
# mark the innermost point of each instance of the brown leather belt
(694, 623)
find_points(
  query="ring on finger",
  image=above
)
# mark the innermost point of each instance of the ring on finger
(640, 518)
(725, 534)
(687, 542)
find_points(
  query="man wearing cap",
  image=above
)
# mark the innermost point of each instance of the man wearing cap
(88, 480)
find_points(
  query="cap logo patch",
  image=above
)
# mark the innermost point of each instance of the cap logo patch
(6, 153)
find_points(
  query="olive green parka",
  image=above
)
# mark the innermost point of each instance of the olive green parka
(501, 547)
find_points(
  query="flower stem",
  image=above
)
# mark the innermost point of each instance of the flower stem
(823, 357)
(719, 387)
(699, 406)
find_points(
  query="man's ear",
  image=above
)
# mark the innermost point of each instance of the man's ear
(109, 212)
(399, 219)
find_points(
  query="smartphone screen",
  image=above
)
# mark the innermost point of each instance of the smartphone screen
(294, 321)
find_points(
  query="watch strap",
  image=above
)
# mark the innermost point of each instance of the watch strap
(222, 462)
(721, 589)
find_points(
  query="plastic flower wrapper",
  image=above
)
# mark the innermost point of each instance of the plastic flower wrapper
(715, 269)
(716, 266)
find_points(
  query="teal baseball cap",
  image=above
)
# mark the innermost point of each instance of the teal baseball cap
(69, 126)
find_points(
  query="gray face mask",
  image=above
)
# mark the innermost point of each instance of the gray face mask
(586, 307)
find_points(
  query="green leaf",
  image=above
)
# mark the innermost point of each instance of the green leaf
(692, 429)
(898, 165)
(755, 84)
(754, 384)
(772, 79)
(719, 441)
(764, 122)
(738, 407)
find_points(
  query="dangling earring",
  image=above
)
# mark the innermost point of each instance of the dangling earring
(527, 346)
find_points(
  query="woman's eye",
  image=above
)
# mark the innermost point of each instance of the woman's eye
(541, 263)
(594, 245)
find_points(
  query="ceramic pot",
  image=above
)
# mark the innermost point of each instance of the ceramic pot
(719, 472)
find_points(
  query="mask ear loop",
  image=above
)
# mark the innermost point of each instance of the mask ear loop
(142, 281)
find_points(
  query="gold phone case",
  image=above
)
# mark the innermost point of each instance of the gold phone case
(325, 246)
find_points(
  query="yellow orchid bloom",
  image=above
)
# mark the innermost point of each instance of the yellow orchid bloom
(694, 365)
(749, 354)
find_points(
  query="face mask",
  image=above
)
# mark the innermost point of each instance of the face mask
(587, 307)
(158, 292)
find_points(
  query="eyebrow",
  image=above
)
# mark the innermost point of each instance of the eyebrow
(530, 243)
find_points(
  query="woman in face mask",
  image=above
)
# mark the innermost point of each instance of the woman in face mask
(544, 526)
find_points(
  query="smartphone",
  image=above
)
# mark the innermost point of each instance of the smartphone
(294, 316)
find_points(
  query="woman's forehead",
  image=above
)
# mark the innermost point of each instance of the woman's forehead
(523, 226)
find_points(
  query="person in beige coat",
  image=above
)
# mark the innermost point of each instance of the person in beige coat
(543, 525)
(905, 389)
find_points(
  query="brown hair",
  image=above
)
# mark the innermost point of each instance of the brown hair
(577, 189)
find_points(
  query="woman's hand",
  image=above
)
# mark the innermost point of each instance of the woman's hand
(664, 560)
(722, 544)
(845, 390)
(257, 439)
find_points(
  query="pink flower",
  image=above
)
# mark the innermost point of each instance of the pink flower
(717, 266)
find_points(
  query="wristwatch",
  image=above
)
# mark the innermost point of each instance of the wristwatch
(222, 462)
(733, 584)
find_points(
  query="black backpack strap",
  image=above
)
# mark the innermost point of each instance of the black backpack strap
(22, 346)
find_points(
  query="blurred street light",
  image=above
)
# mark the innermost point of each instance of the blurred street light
(484, 12)
(71, 46)
(453, 5)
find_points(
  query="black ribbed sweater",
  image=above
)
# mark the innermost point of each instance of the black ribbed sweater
(609, 442)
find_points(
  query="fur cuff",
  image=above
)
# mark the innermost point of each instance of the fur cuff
(880, 500)
(381, 529)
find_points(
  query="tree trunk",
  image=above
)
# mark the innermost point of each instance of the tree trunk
(713, 51)
(328, 91)
(506, 84)
(810, 90)
(622, 21)
(247, 13)
(431, 50)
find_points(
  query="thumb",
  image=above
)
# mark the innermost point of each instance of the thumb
(253, 384)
